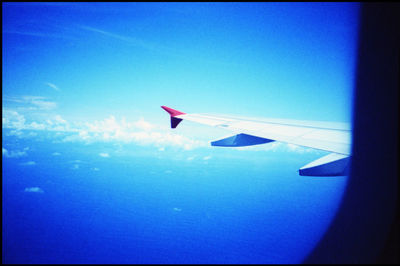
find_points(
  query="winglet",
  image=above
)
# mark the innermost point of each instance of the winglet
(174, 121)
(171, 111)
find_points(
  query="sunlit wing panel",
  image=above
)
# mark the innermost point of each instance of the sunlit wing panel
(327, 136)
(327, 139)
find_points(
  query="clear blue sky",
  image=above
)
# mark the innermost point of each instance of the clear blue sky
(284, 60)
(87, 150)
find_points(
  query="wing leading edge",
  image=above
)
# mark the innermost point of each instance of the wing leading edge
(332, 137)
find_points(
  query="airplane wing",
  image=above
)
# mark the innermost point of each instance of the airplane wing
(327, 136)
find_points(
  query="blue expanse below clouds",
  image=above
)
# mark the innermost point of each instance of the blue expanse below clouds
(97, 203)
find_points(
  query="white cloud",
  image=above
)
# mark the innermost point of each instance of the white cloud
(51, 85)
(95, 169)
(12, 119)
(104, 154)
(57, 123)
(14, 154)
(17, 133)
(40, 34)
(191, 158)
(109, 124)
(58, 119)
(28, 163)
(32, 102)
(127, 39)
(140, 132)
(34, 189)
(108, 130)
(168, 171)
(31, 134)
(298, 149)
(43, 104)
(75, 167)
(37, 126)
(142, 124)
(56, 154)
(177, 209)
(205, 158)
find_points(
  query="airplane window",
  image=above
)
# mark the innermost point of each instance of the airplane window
(251, 160)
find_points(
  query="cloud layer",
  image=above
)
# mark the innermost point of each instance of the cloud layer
(109, 129)
(29, 102)
(14, 154)
(28, 163)
(34, 190)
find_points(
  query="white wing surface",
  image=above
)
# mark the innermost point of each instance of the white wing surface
(327, 136)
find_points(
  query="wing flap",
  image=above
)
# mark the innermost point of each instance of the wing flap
(333, 164)
(333, 140)
(240, 140)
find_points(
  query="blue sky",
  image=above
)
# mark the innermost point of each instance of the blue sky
(286, 60)
(83, 84)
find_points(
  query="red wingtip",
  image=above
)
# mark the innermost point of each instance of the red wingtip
(171, 111)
